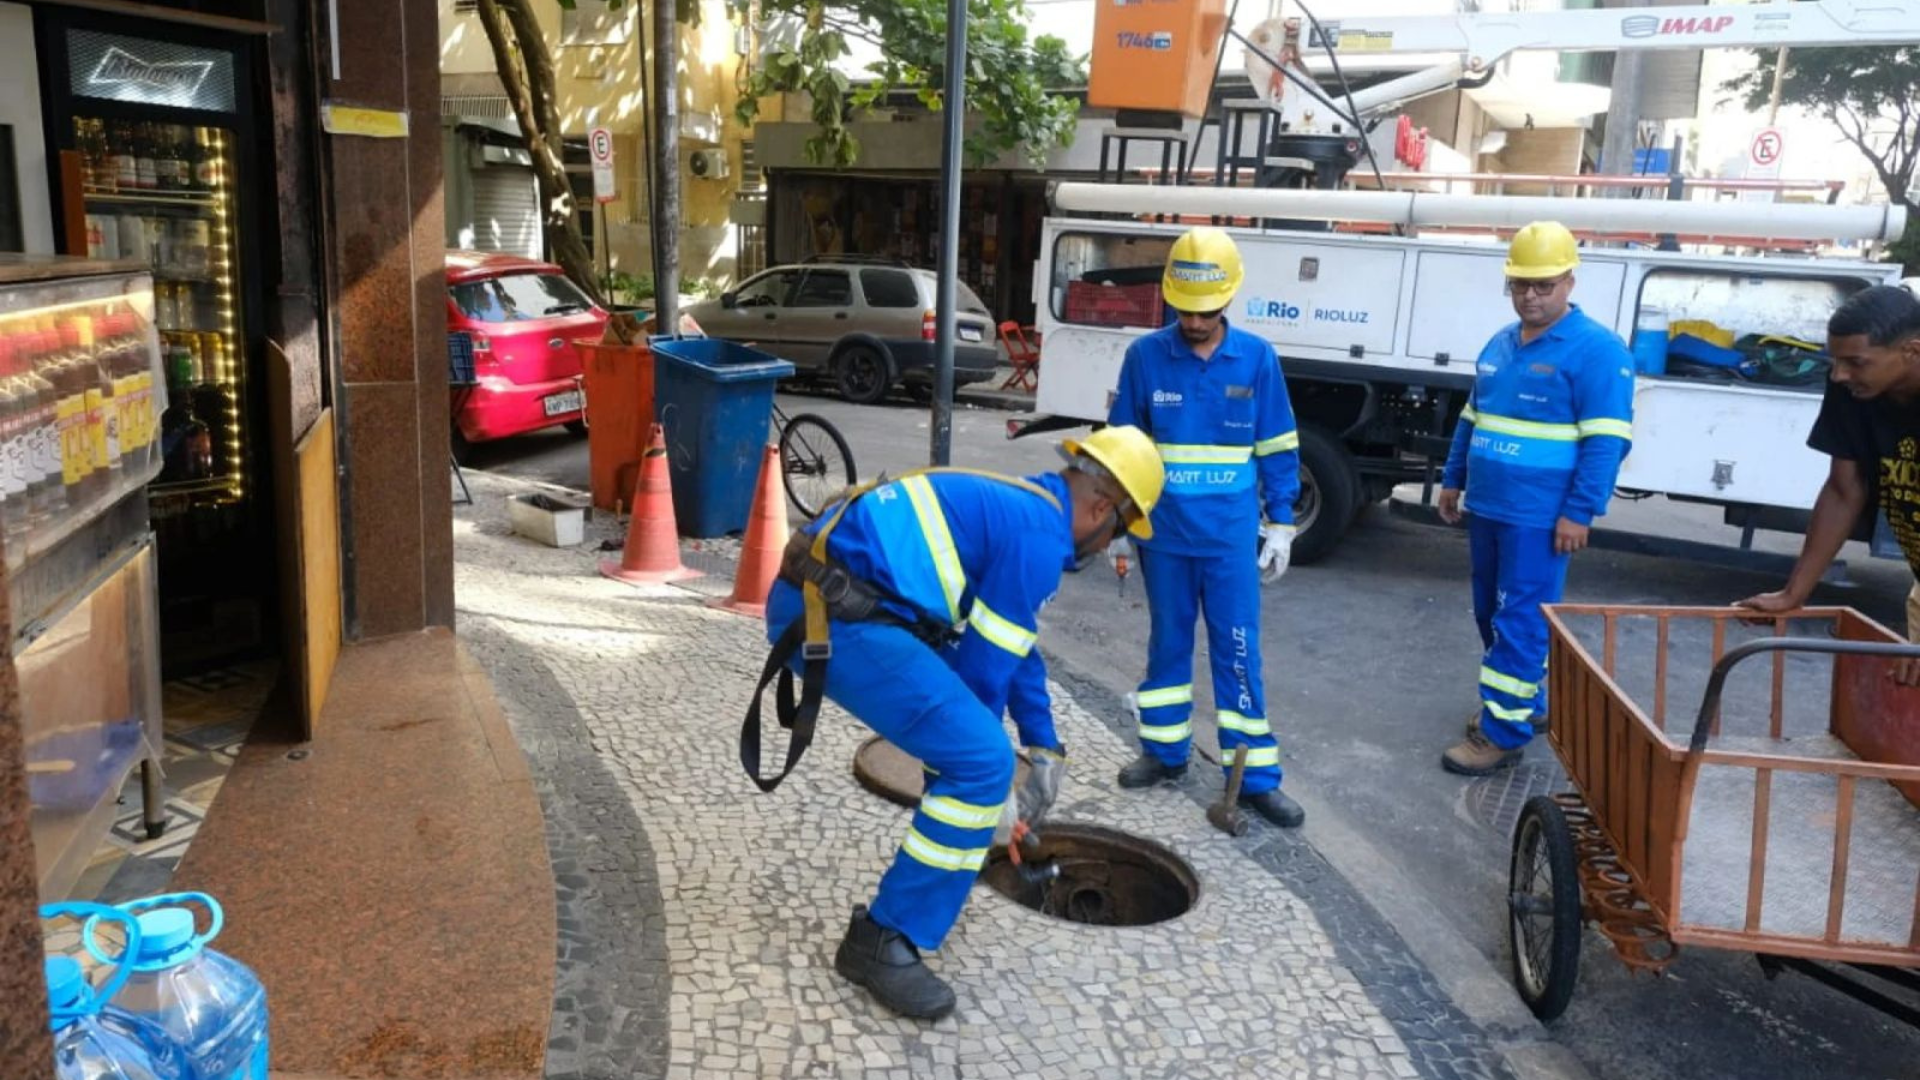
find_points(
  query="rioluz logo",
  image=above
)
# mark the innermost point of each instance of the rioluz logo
(1261, 309)
(1167, 397)
(1154, 41)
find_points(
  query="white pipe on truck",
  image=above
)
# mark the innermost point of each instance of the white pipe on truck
(1775, 221)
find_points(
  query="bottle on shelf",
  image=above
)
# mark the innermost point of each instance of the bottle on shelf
(145, 171)
(16, 514)
(126, 165)
(179, 173)
(20, 445)
(211, 402)
(199, 161)
(186, 441)
(44, 436)
(76, 447)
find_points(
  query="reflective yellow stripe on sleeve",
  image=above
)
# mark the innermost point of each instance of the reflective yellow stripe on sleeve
(1277, 444)
(933, 526)
(940, 856)
(1003, 632)
(1619, 429)
(960, 815)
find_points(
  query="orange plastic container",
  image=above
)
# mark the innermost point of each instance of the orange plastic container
(1155, 54)
(619, 389)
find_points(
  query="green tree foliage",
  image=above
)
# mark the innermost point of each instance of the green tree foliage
(1009, 76)
(1872, 97)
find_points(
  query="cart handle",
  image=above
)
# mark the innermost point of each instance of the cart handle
(1710, 703)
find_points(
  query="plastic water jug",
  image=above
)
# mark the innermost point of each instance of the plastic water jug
(1650, 341)
(92, 1040)
(210, 1005)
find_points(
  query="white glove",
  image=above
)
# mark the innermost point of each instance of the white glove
(1276, 551)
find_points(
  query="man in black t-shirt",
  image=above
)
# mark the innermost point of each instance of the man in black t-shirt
(1870, 426)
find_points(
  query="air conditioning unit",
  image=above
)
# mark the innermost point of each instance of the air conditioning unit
(708, 164)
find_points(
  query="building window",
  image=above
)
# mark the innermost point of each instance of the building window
(595, 22)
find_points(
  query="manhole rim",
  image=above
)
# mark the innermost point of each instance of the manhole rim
(1180, 868)
(875, 785)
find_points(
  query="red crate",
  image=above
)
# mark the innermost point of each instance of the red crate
(1113, 305)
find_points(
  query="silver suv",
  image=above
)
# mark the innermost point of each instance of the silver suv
(866, 324)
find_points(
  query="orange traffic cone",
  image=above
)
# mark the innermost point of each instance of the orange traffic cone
(765, 540)
(652, 554)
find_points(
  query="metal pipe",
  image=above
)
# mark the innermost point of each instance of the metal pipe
(1778, 221)
(954, 111)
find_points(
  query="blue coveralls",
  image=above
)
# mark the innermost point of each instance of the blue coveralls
(966, 551)
(1541, 438)
(1225, 428)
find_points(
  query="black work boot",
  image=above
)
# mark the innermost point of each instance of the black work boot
(1276, 807)
(888, 965)
(1147, 770)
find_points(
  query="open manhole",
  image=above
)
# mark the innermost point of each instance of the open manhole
(1086, 874)
(895, 775)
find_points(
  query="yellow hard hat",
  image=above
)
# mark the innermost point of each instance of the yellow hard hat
(1544, 249)
(1203, 271)
(1130, 457)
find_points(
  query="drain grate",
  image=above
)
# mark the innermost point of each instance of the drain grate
(1086, 874)
(1495, 801)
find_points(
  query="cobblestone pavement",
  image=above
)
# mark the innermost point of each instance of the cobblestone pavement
(699, 917)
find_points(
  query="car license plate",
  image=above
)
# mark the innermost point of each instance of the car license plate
(555, 404)
(969, 333)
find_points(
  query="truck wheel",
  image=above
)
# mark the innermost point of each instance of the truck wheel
(1329, 495)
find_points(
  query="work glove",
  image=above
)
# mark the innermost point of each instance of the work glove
(1276, 551)
(1045, 772)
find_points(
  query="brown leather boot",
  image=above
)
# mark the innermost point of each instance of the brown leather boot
(1475, 755)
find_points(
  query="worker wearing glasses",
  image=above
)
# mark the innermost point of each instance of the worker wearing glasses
(1535, 454)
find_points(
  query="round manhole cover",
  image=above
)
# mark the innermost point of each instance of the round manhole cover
(896, 776)
(1086, 874)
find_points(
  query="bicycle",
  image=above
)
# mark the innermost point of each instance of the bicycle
(815, 462)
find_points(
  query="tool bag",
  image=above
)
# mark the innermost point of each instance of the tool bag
(830, 592)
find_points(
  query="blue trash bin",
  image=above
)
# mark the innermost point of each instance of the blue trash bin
(715, 401)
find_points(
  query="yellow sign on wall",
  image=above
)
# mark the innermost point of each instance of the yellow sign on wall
(371, 123)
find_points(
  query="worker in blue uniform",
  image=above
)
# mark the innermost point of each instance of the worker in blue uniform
(914, 603)
(1536, 453)
(1212, 398)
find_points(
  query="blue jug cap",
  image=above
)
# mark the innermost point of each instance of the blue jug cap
(164, 932)
(66, 983)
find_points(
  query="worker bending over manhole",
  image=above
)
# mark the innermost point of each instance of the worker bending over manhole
(914, 604)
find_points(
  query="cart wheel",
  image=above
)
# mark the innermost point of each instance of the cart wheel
(1543, 904)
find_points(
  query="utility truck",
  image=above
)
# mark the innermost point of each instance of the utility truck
(1378, 305)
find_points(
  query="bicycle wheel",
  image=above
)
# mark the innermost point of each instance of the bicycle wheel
(815, 463)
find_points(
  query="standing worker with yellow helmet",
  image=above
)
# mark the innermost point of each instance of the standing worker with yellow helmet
(1213, 399)
(1536, 452)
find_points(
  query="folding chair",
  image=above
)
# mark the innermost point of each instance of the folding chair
(1024, 353)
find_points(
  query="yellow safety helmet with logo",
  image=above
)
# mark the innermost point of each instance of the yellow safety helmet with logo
(1203, 271)
(1129, 456)
(1544, 249)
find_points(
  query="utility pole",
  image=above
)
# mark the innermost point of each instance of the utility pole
(954, 102)
(666, 188)
(1779, 78)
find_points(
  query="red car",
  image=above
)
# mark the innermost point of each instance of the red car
(523, 316)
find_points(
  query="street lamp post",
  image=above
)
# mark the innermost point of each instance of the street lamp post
(954, 102)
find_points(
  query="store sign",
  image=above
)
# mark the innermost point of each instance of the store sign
(147, 72)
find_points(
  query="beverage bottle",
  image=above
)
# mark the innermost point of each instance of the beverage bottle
(125, 418)
(173, 159)
(92, 1038)
(76, 446)
(102, 425)
(180, 453)
(209, 1005)
(19, 405)
(199, 177)
(147, 174)
(126, 165)
(45, 434)
(206, 162)
(15, 513)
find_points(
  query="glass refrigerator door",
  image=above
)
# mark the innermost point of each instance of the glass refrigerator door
(161, 193)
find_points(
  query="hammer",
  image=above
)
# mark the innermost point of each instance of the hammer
(1225, 814)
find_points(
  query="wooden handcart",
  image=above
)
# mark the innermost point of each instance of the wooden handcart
(1795, 839)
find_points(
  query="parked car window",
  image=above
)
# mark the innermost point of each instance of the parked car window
(767, 290)
(969, 302)
(824, 288)
(889, 289)
(517, 297)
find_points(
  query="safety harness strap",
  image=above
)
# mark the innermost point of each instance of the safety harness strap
(809, 635)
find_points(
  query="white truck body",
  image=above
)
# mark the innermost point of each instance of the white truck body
(1410, 316)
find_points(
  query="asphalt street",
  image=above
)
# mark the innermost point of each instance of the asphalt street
(1370, 659)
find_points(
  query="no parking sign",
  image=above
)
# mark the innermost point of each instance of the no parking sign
(600, 146)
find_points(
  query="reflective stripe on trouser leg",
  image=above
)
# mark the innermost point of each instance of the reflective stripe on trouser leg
(1230, 603)
(1527, 574)
(1166, 697)
(903, 691)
